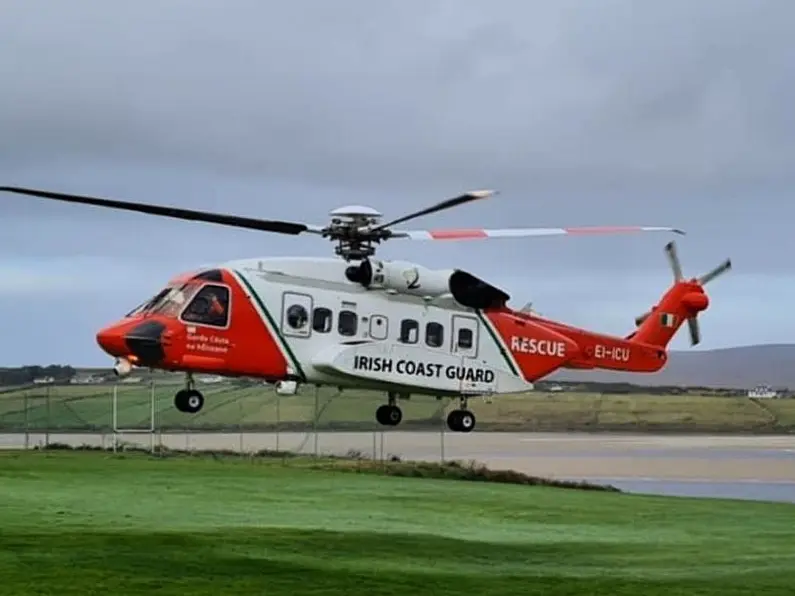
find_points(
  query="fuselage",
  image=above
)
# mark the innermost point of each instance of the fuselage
(301, 319)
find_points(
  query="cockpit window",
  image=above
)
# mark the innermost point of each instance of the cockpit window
(169, 301)
(209, 307)
(174, 300)
(141, 308)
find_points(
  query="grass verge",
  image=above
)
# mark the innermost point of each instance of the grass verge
(355, 461)
(90, 522)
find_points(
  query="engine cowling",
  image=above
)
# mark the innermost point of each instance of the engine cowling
(409, 278)
(402, 277)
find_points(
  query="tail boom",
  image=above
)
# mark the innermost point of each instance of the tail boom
(607, 352)
(644, 350)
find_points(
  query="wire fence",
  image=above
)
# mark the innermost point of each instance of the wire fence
(239, 416)
(245, 415)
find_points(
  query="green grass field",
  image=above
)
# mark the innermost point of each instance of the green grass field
(85, 523)
(257, 407)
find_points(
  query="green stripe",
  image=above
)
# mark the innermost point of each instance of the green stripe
(499, 343)
(273, 324)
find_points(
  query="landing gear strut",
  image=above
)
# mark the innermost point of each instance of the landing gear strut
(189, 400)
(389, 414)
(461, 420)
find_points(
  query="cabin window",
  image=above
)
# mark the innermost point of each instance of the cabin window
(379, 327)
(465, 339)
(322, 319)
(434, 335)
(297, 317)
(347, 323)
(409, 331)
(209, 307)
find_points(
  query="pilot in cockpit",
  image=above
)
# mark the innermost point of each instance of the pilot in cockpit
(207, 308)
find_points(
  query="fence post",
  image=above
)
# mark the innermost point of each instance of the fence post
(152, 426)
(278, 420)
(114, 415)
(441, 436)
(314, 423)
(240, 427)
(47, 425)
(27, 422)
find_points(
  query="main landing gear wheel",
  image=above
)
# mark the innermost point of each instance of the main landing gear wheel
(189, 401)
(461, 421)
(389, 415)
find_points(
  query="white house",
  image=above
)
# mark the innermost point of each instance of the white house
(211, 379)
(763, 391)
(85, 380)
(130, 380)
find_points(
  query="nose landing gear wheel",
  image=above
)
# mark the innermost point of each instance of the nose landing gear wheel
(189, 401)
(461, 421)
(389, 415)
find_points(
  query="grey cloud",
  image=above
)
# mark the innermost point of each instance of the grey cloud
(409, 94)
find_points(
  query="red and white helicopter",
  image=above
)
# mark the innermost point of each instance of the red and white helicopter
(355, 321)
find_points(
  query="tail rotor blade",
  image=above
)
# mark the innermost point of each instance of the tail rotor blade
(719, 270)
(695, 331)
(673, 259)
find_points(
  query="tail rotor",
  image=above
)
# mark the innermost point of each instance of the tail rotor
(676, 268)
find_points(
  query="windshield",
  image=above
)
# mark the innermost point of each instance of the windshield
(168, 302)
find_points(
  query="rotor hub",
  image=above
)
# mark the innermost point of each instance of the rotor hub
(351, 226)
(355, 214)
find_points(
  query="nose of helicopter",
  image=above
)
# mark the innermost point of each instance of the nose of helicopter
(144, 340)
(111, 340)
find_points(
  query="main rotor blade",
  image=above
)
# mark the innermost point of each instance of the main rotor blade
(281, 227)
(719, 270)
(695, 331)
(673, 259)
(474, 195)
(482, 233)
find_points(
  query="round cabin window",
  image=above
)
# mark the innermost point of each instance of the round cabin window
(297, 316)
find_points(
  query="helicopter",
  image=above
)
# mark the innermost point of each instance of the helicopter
(354, 321)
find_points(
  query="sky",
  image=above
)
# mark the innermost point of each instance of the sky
(614, 112)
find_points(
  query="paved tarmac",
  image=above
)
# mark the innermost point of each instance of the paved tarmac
(755, 467)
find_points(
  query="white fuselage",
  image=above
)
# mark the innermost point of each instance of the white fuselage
(334, 331)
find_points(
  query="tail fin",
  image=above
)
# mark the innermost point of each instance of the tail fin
(682, 302)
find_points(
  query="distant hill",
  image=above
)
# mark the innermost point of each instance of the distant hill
(742, 367)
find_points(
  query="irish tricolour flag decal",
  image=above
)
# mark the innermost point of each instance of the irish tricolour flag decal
(668, 320)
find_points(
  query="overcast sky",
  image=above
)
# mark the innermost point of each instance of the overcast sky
(581, 113)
